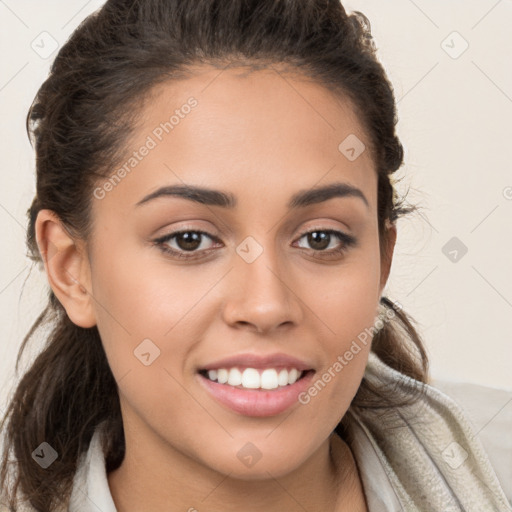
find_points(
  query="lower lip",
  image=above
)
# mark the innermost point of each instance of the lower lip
(254, 402)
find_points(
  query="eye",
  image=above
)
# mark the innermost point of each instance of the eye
(321, 239)
(186, 241)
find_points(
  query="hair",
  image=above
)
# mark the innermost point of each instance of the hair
(80, 122)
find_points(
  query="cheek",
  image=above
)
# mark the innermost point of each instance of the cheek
(145, 305)
(142, 294)
(346, 299)
(346, 306)
(134, 301)
(145, 317)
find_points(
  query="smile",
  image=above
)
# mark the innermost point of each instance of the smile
(255, 392)
(252, 378)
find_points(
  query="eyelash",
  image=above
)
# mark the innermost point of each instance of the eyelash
(348, 241)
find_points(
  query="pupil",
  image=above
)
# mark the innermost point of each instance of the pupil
(324, 239)
(188, 241)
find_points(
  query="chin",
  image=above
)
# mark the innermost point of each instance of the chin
(250, 464)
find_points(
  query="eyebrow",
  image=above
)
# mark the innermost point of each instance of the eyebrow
(212, 197)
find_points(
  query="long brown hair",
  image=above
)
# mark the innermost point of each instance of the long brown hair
(79, 123)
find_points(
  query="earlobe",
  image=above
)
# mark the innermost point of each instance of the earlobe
(67, 268)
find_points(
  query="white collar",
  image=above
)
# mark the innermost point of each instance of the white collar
(91, 492)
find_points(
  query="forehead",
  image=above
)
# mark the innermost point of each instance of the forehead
(254, 133)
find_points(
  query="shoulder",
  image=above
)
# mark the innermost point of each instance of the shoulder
(489, 410)
(429, 448)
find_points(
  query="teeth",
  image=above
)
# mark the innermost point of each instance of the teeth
(282, 378)
(269, 379)
(250, 378)
(293, 375)
(235, 377)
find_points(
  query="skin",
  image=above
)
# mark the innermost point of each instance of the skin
(261, 136)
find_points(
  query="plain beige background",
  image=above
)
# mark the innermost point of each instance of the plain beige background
(455, 106)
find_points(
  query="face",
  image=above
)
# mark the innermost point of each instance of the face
(267, 281)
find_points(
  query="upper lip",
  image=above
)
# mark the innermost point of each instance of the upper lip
(259, 361)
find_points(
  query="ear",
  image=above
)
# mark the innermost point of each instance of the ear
(387, 254)
(67, 267)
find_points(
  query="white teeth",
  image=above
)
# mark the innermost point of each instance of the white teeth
(282, 378)
(269, 379)
(222, 376)
(250, 378)
(235, 377)
(293, 375)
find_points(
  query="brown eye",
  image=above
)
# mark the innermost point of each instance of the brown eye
(188, 240)
(182, 242)
(320, 239)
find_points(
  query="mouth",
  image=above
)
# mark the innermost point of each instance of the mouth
(258, 392)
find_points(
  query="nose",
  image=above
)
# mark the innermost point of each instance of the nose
(262, 295)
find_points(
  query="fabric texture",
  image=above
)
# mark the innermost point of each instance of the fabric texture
(489, 410)
(423, 457)
(431, 455)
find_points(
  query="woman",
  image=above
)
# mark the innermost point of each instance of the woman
(216, 216)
